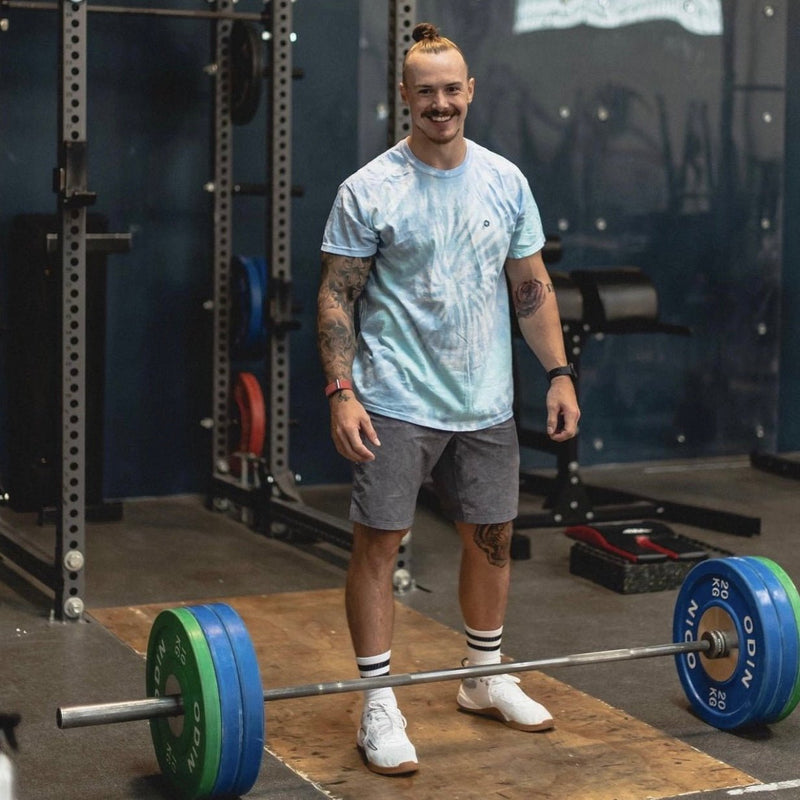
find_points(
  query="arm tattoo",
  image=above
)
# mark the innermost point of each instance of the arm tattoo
(343, 280)
(529, 297)
(495, 541)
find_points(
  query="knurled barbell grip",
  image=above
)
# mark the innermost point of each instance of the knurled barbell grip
(714, 646)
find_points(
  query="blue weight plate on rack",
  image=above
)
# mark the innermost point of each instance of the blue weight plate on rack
(736, 690)
(241, 307)
(249, 294)
(252, 697)
(230, 697)
(790, 639)
(260, 270)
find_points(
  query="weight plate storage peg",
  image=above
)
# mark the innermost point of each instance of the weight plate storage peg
(737, 690)
(791, 628)
(179, 662)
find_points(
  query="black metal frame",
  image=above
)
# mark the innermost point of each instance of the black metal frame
(219, 14)
(569, 501)
(272, 495)
(65, 575)
(776, 464)
(268, 495)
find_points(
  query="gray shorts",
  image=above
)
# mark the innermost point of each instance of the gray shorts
(475, 474)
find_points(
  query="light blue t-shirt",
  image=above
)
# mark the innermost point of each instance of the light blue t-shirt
(434, 346)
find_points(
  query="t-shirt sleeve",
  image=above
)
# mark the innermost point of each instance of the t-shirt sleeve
(528, 237)
(348, 231)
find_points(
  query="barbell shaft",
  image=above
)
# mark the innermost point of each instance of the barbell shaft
(714, 644)
(34, 5)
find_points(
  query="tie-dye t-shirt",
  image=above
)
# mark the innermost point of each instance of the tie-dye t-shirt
(434, 345)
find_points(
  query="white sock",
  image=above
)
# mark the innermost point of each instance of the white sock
(483, 647)
(373, 667)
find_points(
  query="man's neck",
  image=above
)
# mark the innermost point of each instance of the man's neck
(439, 156)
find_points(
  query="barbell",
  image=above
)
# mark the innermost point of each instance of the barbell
(736, 644)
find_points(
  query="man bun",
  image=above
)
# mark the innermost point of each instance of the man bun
(428, 41)
(424, 30)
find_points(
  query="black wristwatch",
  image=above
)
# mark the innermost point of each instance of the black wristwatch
(569, 369)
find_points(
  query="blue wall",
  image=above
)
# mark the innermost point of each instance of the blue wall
(149, 109)
(644, 397)
(650, 145)
(789, 438)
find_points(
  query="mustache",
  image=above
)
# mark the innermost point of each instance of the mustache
(451, 111)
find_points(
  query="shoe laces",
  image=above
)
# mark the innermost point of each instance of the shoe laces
(493, 680)
(385, 721)
(503, 685)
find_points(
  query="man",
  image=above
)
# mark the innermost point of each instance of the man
(431, 238)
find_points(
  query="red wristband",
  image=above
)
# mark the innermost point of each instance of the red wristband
(339, 385)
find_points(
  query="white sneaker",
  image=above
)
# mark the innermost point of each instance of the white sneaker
(382, 738)
(500, 697)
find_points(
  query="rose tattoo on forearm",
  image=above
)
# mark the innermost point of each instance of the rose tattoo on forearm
(529, 297)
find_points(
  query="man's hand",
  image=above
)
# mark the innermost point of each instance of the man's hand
(350, 425)
(562, 410)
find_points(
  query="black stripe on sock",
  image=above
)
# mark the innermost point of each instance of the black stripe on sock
(373, 669)
(482, 648)
(486, 639)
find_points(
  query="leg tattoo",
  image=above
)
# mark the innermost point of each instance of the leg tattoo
(495, 541)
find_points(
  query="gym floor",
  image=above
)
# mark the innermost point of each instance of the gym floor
(172, 550)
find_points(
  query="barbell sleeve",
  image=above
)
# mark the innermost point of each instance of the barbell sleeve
(122, 711)
(714, 644)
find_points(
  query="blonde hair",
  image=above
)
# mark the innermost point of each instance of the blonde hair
(428, 41)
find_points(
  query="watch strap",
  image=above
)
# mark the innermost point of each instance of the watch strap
(339, 385)
(569, 370)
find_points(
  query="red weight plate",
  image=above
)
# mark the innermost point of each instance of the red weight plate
(252, 415)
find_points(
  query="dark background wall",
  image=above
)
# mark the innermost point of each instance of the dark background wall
(789, 435)
(149, 102)
(652, 146)
(602, 122)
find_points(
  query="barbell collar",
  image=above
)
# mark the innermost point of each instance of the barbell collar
(715, 644)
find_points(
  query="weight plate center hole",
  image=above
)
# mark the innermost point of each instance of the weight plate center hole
(720, 669)
(173, 686)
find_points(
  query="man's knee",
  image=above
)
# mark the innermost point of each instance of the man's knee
(493, 540)
(376, 542)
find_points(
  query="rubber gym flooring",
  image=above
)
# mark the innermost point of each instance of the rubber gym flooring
(623, 730)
